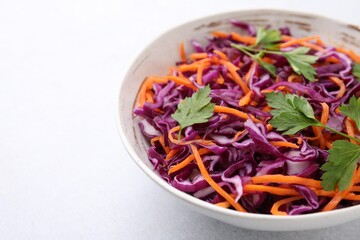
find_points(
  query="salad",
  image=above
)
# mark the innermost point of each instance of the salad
(258, 121)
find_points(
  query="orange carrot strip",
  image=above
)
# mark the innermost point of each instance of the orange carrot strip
(297, 41)
(318, 135)
(269, 127)
(187, 161)
(150, 97)
(182, 81)
(341, 84)
(245, 100)
(278, 178)
(275, 208)
(197, 56)
(270, 189)
(224, 204)
(220, 34)
(154, 139)
(350, 130)
(173, 140)
(325, 113)
(162, 142)
(243, 39)
(294, 78)
(240, 114)
(171, 154)
(251, 70)
(237, 135)
(340, 195)
(232, 69)
(182, 52)
(220, 79)
(350, 53)
(200, 73)
(283, 144)
(221, 55)
(212, 183)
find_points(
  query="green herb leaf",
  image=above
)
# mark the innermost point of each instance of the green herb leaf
(356, 71)
(352, 110)
(291, 113)
(268, 38)
(340, 166)
(194, 109)
(301, 63)
(267, 66)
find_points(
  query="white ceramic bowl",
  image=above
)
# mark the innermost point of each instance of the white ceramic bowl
(156, 58)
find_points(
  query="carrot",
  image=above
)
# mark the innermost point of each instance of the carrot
(341, 85)
(350, 130)
(245, 100)
(182, 81)
(232, 69)
(275, 208)
(295, 41)
(243, 39)
(325, 113)
(182, 52)
(283, 144)
(251, 70)
(212, 183)
(221, 55)
(197, 56)
(350, 53)
(171, 154)
(302, 42)
(220, 79)
(187, 161)
(278, 178)
(340, 195)
(270, 189)
(294, 78)
(220, 34)
(200, 73)
(237, 135)
(224, 204)
(318, 135)
(269, 127)
(238, 113)
(173, 140)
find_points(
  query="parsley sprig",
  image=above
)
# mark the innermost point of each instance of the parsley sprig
(195, 109)
(292, 113)
(267, 41)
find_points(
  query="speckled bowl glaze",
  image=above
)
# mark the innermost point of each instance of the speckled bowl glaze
(153, 61)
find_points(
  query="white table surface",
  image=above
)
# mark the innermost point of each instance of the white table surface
(64, 173)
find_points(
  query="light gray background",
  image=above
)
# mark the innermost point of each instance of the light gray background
(64, 173)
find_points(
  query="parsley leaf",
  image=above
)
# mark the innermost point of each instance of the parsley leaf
(267, 66)
(356, 71)
(268, 38)
(291, 113)
(340, 166)
(194, 109)
(301, 63)
(352, 110)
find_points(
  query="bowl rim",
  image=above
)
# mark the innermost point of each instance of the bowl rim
(184, 196)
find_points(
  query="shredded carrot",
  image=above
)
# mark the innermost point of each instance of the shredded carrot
(283, 144)
(296, 41)
(278, 178)
(341, 85)
(325, 113)
(245, 100)
(237, 135)
(182, 52)
(180, 142)
(294, 78)
(150, 97)
(182, 81)
(302, 42)
(318, 136)
(251, 70)
(270, 189)
(220, 34)
(154, 139)
(269, 127)
(238, 113)
(350, 130)
(212, 183)
(171, 154)
(224, 204)
(200, 74)
(187, 161)
(197, 56)
(340, 195)
(232, 69)
(243, 39)
(221, 55)
(350, 53)
(275, 208)
(220, 79)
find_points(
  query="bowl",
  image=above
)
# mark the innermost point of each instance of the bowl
(152, 61)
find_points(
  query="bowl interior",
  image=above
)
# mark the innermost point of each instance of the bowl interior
(162, 53)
